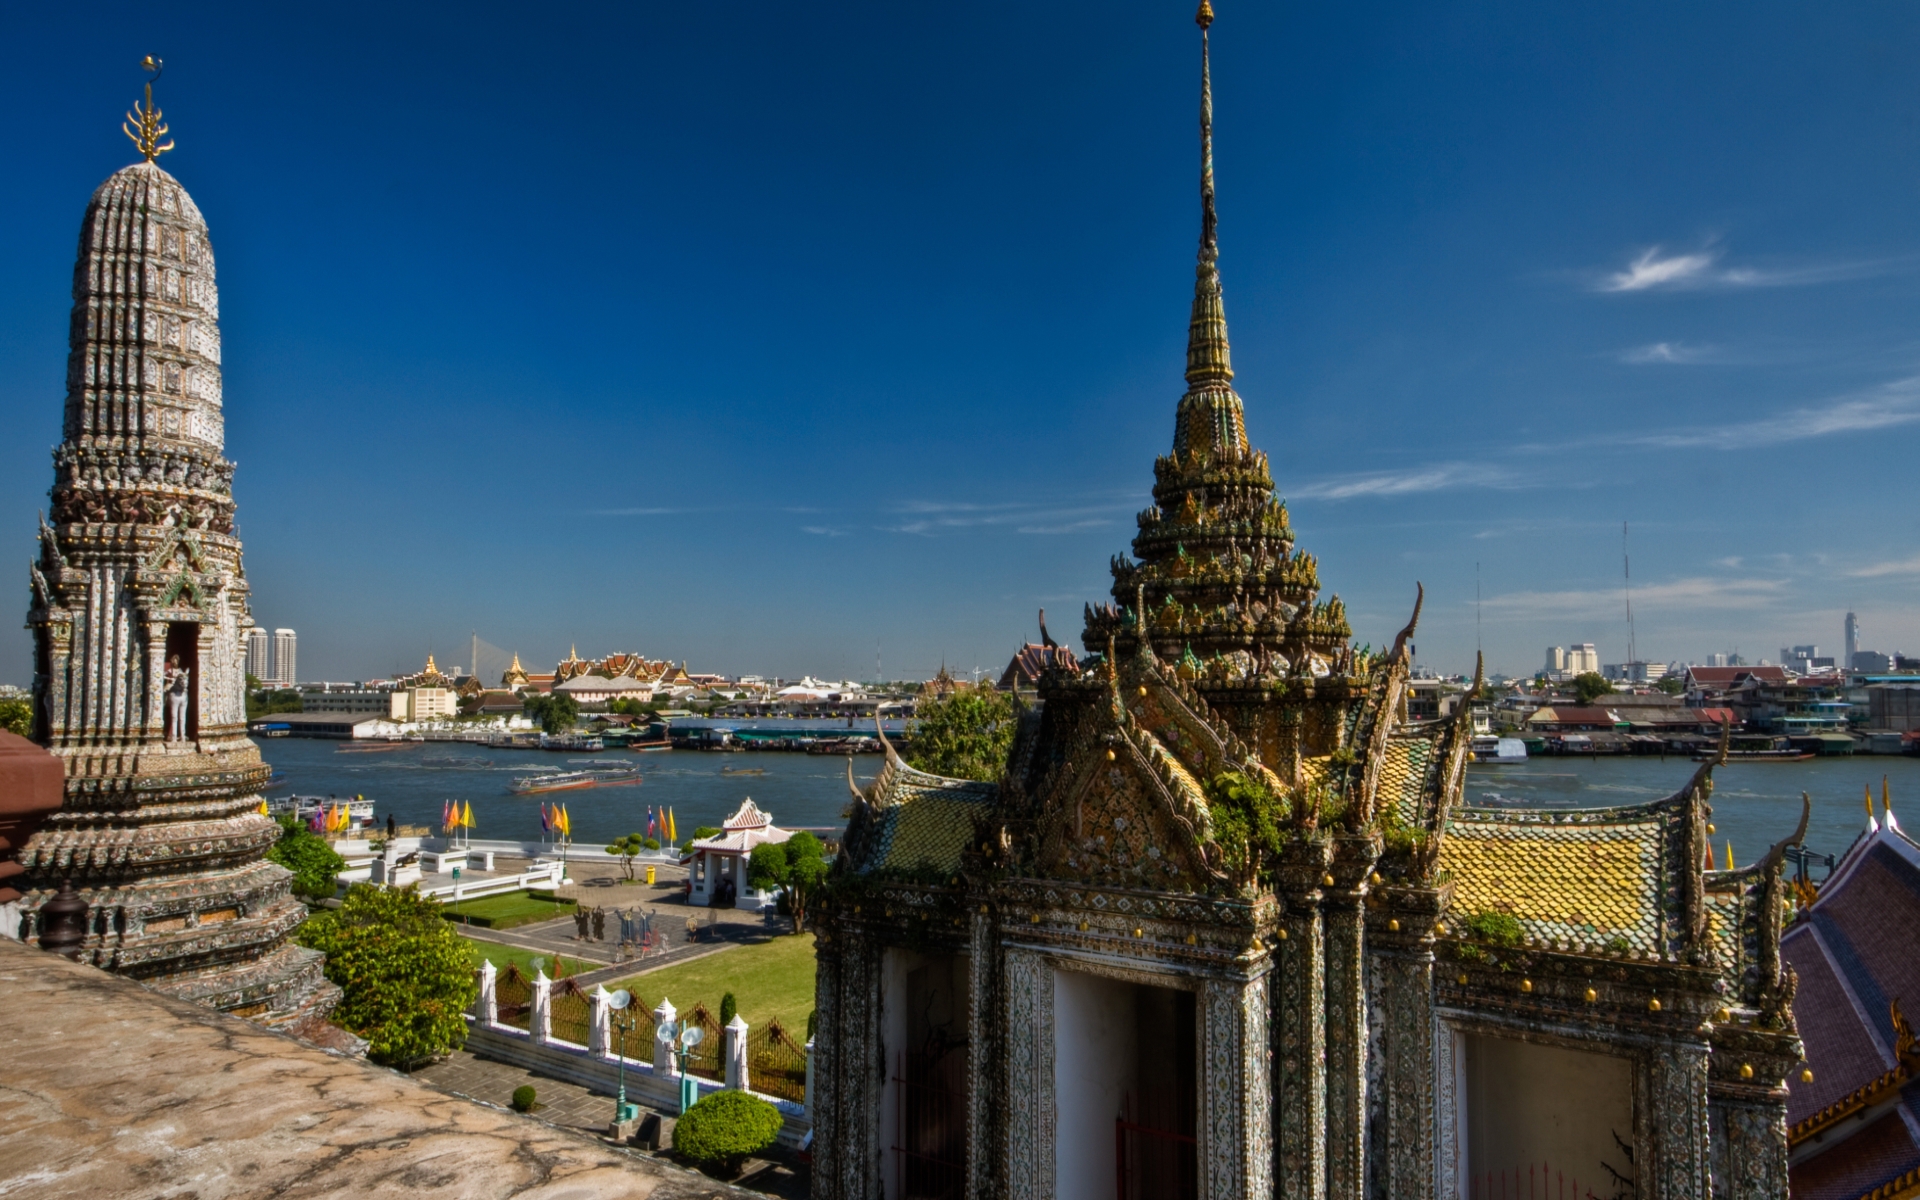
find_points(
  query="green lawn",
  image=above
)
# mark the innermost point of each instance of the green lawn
(768, 981)
(507, 910)
(500, 956)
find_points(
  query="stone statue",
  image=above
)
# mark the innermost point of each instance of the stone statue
(599, 924)
(177, 681)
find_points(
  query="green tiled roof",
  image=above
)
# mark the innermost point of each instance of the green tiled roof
(922, 821)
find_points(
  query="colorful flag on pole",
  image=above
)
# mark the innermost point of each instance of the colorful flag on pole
(467, 818)
(546, 824)
(673, 827)
(566, 822)
(650, 822)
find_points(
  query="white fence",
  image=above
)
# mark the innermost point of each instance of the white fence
(653, 1082)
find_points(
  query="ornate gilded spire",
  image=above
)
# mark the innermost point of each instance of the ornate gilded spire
(143, 125)
(1208, 359)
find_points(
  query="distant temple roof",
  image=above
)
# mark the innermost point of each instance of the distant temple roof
(1031, 660)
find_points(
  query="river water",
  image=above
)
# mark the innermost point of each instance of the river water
(1755, 804)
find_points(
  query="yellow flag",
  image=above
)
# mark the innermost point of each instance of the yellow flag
(263, 809)
(466, 819)
(566, 821)
(1729, 854)
(673, 827)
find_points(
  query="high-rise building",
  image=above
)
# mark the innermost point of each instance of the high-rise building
(284, 657)
(1583, 659)
(138, 605)
(1852, 638)
(1717, 660)
(259, 656)
(1556, 659)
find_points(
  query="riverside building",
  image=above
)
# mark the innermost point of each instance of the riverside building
(139, 619)
(1224, 927)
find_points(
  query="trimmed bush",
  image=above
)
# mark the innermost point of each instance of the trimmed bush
(728, 1007)
(523, 1098)
(725, 1129)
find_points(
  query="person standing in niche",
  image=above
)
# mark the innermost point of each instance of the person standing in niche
(176, 684)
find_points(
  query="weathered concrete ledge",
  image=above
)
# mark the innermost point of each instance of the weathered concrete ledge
(108, 1089)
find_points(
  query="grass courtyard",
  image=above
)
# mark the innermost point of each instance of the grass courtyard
(500, 956)
(507, 910)
(769, 980)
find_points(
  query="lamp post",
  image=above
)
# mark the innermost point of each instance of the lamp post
(686, 1037)
(620, 1003)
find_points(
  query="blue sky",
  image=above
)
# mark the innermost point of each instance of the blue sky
(762, 335)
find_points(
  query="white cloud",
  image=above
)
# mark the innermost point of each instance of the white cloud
(1904, 566)
(1669, 352)
(1892, 404)
(932, 517)
(1652, 271)
(1692, 593)
(1439, 477)
(1731, 562)
(823, 531)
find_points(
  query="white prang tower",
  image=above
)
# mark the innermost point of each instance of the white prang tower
(139, 620)
(1852, 641)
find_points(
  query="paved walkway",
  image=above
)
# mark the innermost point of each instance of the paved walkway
(716, 928)
(572, 1107)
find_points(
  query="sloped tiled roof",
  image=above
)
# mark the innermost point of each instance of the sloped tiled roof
(1587, 877)
(1853, 950)
(1405, 775)
(920, 821)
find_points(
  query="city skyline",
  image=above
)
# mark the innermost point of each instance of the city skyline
(1497, 283)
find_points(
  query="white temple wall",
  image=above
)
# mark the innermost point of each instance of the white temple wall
(1094, 1020)
(1528, 1105)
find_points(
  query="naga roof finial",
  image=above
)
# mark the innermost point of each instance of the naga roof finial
(143, 125)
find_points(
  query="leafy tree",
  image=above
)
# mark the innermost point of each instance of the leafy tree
(555, 713)
(404, 971)
(16, 716)
(628, 847)
(796, 864)
(964, 735)
(1672, 685)
(725, 1129)
(1590, 686)
(309, 856)
(265, 703)
(702, 831)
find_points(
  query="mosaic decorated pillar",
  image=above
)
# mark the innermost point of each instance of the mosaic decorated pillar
(1678, 1128)
(1299, 1026)
(1028, 1024)
(1747, 1114)
(1403, 1124)
(985, 1058)
(847, 1067)
(1345, 918)
(1235, 1089)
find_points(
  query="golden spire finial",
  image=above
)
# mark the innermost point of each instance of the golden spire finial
(143, 124)
(1208, 359)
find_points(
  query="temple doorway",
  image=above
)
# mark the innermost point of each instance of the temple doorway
(183, 643)
(924, 1100)
(1546, 1118)
(1125, 1090)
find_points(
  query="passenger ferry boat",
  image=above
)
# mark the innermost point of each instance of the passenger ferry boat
(567, 781)
(1497, 750)
(359, 808)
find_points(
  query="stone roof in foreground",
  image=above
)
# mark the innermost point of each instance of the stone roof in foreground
(117, 1091)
